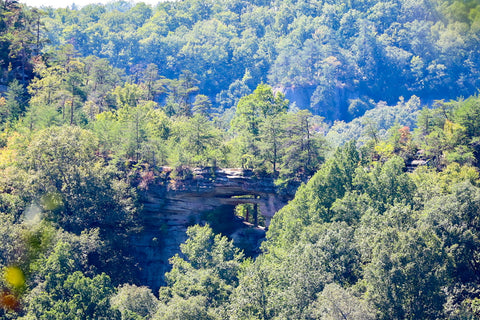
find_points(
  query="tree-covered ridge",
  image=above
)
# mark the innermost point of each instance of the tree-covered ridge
(339, 51)
(262, 134)
(397, 245)
(363, 237)
(384, 224)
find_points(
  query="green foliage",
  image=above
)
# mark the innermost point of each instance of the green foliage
(337, 303)
(268, 139)
(13, 247)
(255, 126)
(313, 201)
(132, 132)
(20, 41)
(255, 108)
(406, 275)
(208, 275)
(339, 52)
(375, 122)
(284, 285)
(134, 302)
(454, 220)
(196, 142)
(386, 185)
(61, 86)
(252, 297)
(76, 297)
(409, 269)
(14, 105)
(302, 146)
(447, 133)
(77, 190)
(351, 207)
(205, 250)
(142, 87)
(61, 290)
(192, 308)
(467, 114)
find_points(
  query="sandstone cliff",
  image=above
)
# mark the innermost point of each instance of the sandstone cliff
(181, 199)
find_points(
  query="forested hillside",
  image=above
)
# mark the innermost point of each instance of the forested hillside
(381, 143)
(336, 55)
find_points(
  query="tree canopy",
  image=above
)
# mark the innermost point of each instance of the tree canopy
(364, 114)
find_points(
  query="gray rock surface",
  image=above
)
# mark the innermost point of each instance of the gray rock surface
(171, 205)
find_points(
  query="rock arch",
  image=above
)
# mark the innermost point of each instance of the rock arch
(172, 205)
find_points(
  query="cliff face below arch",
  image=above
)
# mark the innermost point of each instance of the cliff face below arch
(208, 195)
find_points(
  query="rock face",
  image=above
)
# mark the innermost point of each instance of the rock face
(200, 196)
(333, 108)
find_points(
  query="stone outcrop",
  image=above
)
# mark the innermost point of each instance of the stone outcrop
(332, 109)
(200, 196)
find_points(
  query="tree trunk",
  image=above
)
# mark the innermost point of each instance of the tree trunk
(71, 112)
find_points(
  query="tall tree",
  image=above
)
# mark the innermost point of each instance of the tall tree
(251, 112)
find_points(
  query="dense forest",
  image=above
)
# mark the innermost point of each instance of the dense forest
(339, 55)
(381, 143)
